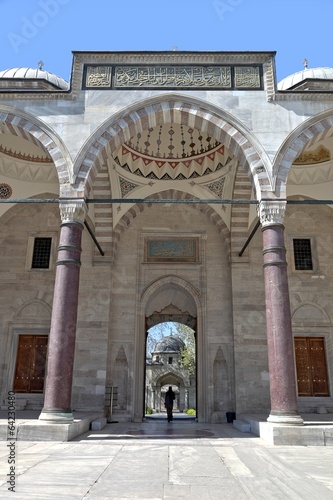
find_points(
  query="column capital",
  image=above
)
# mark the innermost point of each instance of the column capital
(271, 211)
(73, 210)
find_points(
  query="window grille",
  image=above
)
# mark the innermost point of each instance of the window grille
(41, 253)
(302, 254)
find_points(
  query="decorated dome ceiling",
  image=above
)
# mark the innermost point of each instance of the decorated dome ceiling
(23, 160)
(171, 151)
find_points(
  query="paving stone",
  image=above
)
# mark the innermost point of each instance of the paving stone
(113, 464)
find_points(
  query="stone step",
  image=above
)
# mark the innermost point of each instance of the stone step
(98, 424)
(242, 426)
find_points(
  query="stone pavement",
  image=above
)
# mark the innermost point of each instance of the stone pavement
(160, 460)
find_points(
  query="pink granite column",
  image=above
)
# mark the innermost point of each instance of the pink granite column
(58, 386)
(278, 317)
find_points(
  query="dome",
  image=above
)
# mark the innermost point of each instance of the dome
(169, 344)
(312, 73)
(35, 74)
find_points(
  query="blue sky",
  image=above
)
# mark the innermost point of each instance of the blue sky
(32, 30)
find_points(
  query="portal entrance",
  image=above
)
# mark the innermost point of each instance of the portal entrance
(170, 361)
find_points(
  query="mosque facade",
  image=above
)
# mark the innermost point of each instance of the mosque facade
(188, 187)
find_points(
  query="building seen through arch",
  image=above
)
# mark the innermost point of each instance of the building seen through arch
(167, 186)
(165, 368)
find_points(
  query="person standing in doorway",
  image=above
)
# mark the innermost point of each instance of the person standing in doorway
(169, 399)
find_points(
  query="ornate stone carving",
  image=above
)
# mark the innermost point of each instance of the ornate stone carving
(247, 77)
(154, 75)
(271, 211)
(73, 210)
(98, 76)
(172, 76)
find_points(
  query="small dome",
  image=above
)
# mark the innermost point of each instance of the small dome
(170, 344)
(313, 73)
(35, 74)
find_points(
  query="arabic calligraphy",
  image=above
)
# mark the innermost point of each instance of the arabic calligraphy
(166, 76)
(247, 76)
(173, 76)
(98, 76)
(172, 250)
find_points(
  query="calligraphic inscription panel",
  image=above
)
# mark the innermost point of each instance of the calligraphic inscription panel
(172, 76)
(247, 77)
(172, 250)
(213, 77)
(98, 76)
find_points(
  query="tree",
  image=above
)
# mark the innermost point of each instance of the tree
(186, 334)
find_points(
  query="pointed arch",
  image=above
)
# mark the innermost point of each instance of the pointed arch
(170, 194)
(174, 108)
(314, 129)
(22, 124)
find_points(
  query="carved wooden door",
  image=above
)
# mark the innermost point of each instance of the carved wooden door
(312, 377)
(30, 364)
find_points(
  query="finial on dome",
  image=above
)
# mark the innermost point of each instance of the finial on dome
(305, 62)
(40, 64)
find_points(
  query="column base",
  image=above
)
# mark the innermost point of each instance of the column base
(56, 416)
(285, 418)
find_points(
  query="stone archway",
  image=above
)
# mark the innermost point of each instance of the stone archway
(30, 128)
(156, 300)
(316, 128)
(174, 109)
(161, 372)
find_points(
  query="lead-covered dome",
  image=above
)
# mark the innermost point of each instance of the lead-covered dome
(169, 344)
(294, 81)
(31, 74)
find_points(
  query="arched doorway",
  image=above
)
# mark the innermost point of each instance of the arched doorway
(170, 361)
(157, 307)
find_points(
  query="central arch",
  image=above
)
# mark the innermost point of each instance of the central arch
(179, 109)
(157, 296)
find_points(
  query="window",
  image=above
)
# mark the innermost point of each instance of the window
(30, 363)
(41, 253)
(302, 254)
(311, 368)
(170, 360)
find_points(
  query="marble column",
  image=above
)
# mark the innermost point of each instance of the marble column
(278, 316)
(61, 348)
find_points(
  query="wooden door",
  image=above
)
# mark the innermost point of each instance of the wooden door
(30, 364)
(312, 377)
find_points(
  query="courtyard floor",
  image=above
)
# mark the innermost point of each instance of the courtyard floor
(160, 460)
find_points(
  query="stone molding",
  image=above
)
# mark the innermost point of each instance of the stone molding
(271, 212)
(304, 95)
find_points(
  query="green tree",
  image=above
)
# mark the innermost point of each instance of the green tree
(186, 334)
